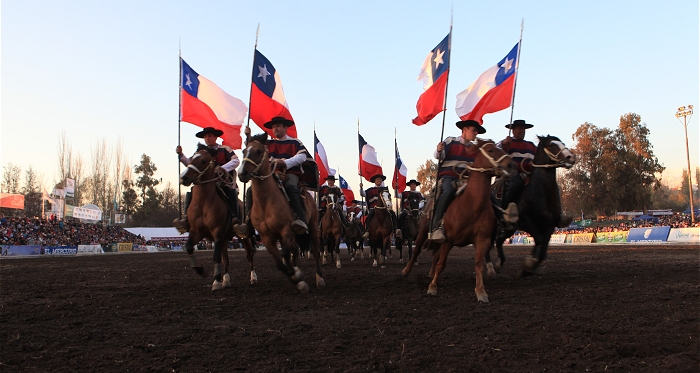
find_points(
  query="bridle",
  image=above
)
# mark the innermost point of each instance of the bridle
(494, 162)
(381, 197)
(553, 157)
(197, 180)
(258, 166)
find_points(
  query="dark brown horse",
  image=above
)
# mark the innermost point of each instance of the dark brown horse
(353, 237)
(409, 228)
(209, 217)
(538, 207)
(469, 219)
(380, 229)
(271, 214)
(331, 229)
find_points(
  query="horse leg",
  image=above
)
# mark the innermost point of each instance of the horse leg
(218, 277)
(482, 246)
(439, 260)
(539, 253)
(420, 240)
(386, 245)
(225, 261)
(189, 246)
(399, 248)
(250, 253)
(314, 237)
(433, 265)
(337, 251)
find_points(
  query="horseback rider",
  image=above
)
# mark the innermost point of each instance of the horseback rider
(331, 188)
(454, 153)
(288, 154)
(523, 153)
(357, 209)
(226, 159)
(406, 197)
(373, 194)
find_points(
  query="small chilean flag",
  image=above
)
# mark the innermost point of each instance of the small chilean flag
(398, 182)
(369, 165)
(321, 159)
(434, 75)
(267, 97)
(492, 91)
(347, 192)
(204, 104)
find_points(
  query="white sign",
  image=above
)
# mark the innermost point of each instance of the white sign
(57, 208)
(87, 214)
(684, 235)
(557, 238)
(70, 187)
(119, 218)
(90, 249)
(59, 192)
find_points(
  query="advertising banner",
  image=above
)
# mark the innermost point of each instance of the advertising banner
(684, 235)
(522, 239)
(557, 238)
(124, 247)
(60, 250)
(9, 250)
(139, 248)
(70, 187)
(59, 193)
(611, 237)
(579, 238)
(90, 249)
(119, 218)
(87, 214)
(12, 201)
(650, 234)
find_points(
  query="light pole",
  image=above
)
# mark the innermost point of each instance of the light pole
(686, 112)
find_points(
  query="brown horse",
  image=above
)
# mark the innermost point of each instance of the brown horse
(469, 219)
(380, 229)
(409, 228)
(271, 214)
(331, 228)
(209, 217)
(353, 237)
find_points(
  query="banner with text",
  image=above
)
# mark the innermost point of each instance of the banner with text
(684, 235)
(87, 214)
(612, 237)
(10, 250)
(650, 234)
(60, 250)
(12, 201)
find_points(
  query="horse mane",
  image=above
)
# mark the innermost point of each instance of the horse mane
(261, 138)
(209, 150)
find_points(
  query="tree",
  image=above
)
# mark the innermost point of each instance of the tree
(11, 178)
(146, 169)
(32, 193)
(426, 176)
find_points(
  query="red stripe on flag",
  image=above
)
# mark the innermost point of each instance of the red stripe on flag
(497, 99)
(200, 114)
(263, 108)
(432, 101)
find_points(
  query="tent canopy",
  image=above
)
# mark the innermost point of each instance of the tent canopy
(164, 233)
(647, 217)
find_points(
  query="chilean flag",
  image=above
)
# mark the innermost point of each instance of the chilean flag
(321, 159)
(369, 165)
(434, 75)
(347, 192)
(266, 96)
(204, 104)
(398, 182)
(492, 91)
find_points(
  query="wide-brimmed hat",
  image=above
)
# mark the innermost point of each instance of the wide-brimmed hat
(282, 120)
(211, 130)
(519, 123)
(413, 181)
(471, 123)
(355, 201)
(376, 176)
(331, 177)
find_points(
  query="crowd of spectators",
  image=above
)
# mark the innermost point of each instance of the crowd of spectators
(55, 232)
(673, 221)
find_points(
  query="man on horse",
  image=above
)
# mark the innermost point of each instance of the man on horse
(331, 188)
(523, 153)
(355, 208)
(406, 197)
(226, 159)
(373, 194)
(454, 154)
(288, 154)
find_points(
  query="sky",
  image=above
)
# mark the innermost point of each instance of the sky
(108, 71)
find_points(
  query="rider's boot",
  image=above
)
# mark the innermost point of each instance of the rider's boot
(438, 233)
(298, 225)
(369, 218)
(510, 214)
(232, 195)
(182, 225)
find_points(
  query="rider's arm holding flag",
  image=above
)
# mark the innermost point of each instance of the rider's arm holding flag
(182, 157)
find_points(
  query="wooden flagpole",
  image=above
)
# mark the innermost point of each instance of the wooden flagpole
(179, 117)
(250, 98)
(517, 67)
(359, 171)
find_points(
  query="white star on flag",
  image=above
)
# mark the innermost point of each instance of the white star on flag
(188, 83)
(438, 58)
(507, 65)
(263, 73)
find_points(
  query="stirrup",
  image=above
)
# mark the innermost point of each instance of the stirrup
(241, 230)
(398, 234)
(365, 235)
(182, 225)
(510, 214)
(299, 227)
(438, 235)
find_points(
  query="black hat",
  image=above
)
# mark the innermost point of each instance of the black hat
(282, 120)
(414, 181)
(211, 130)
(471, 123)
(519, 123)
(331, 177)
(376, 176)
(355, 201)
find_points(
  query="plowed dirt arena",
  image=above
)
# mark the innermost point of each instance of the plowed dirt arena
(596, 308)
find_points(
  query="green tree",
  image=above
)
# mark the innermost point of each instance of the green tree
(32, 193)
(146, 169)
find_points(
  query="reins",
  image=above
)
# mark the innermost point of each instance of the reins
(258, 166)
(553, 157)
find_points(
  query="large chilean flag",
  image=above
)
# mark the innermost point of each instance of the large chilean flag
(347, 191)
(266, 96)
(434, 71)
(492, 91)
(398, 182)
(369, 165)
(321, 160)
(204, 104)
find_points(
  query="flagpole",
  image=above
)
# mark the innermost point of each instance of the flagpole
(359, 171)
(179, 116)
(250, 99)
(318, 194)
(517, 67)
(396, 176)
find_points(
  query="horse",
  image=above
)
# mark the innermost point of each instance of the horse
(208, 216)
(380, 229)
(538, 207)
(353, 237)
(271, 214)
(469, 219)
(331, 228)
(409, 228)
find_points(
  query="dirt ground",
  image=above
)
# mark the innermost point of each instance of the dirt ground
(589, 309)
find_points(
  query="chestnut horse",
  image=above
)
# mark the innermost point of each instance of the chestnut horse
(469, 219)
(353, 237)
(538, 207)
(271, 214)
(409, 229)
(380, 229)
(208, 216)
(331, 228)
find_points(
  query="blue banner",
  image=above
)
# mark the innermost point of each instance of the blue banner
(9, 250)
(60, 250)
(649, 234)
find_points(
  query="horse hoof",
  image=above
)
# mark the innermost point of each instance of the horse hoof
(432, 290)
(405, 272)
(253, 278)
(490, 272)
(375, 263)
(227, 281)
(297, 274)
(320, 283)
(337, 264)
(199, 270)
(352, 259)
(303, 287)
(482, 298)
(216, 286)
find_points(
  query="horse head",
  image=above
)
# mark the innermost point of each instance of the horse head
(551, 152)
(201, 165)
(492, 160)
(414, 203)
(384, 200)
(330, 202)
(255, 160)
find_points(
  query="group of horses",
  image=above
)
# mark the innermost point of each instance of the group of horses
(471, 219)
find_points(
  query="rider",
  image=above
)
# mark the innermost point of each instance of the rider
(357, 209)
(405, 198)
(226, 159)
(373, 194)
(288, 153)
(523, 153)
(331, 188)
(454, 153)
